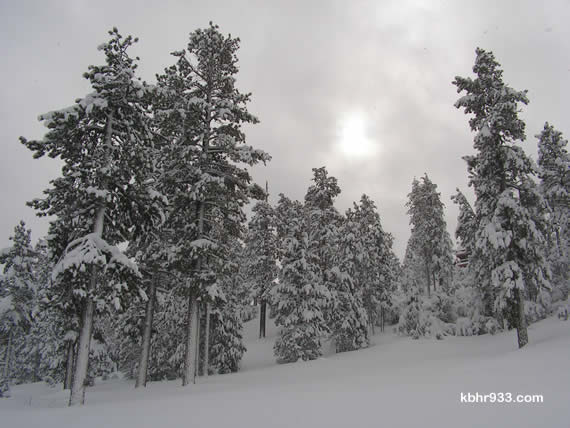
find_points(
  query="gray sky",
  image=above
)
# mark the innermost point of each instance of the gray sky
(324, 74)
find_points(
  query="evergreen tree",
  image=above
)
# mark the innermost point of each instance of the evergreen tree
(300, 295)
(261, 256)
(208, 182)
(322, 223)
(430, 240)
(104, 140)
(18, 301)
(376, 274)
(465, 231)
(226, 327)
(508, 253)
(554, 173)
(349, 319)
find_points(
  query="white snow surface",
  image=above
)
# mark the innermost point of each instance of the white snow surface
(397, 382)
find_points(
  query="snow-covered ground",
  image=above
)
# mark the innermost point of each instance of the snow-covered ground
(397, 382)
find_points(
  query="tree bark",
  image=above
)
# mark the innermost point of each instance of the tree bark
(69, 364)
(262, 317)
(8, 358)
(189, 374)
(522, 332)
(207, 341)
(37, 364)
(77, 395)
(428, 278)
(80, 373)
(145, 350)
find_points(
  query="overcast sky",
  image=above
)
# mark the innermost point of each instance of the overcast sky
(361, 87)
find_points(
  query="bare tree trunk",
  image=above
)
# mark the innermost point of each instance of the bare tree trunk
(189, 374)
(522, 332)
(428, 278)
(37, 364)
(207, 341)
(262, 317)
(69, 364)
(145, 350)
(80, 374)
(8, 358)
(78, 385)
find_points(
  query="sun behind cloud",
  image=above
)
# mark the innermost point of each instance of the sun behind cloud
(353, 139)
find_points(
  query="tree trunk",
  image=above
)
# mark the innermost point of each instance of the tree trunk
(428, 278)
(189, 374)
(77, 395)
(69, 365)
(78, 385)
(262, 317)
(522, 333)
(37, 364)
(145, 351)
(207, 341)
(8, 358)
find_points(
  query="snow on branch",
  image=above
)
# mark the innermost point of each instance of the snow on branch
(92, 249)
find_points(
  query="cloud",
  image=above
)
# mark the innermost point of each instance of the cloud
(309, 65)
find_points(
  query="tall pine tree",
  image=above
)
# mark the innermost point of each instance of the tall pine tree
(554, 173)
(508, 253)
(104, 140)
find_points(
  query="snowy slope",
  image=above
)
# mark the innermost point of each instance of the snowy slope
(396, 382)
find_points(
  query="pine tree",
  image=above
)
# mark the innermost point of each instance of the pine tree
(465, 231)
(429, 238)
(376, 273)
(300, 295)
(226, 344)
(208, 182)
(349, 319)
(104, 141)
(508, 253)
(18, 301)
(322, 223)
(554, 174)
(261, 256)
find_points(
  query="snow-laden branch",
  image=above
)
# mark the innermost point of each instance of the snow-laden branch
(92, 249)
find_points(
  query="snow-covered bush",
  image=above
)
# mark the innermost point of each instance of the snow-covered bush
(563, 312)
(464, 327)
(492, 326)
(534, 312)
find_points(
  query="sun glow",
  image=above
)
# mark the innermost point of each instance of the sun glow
(354, 142)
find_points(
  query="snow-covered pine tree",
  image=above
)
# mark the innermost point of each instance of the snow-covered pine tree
(300, 296)
(42, 355)
(376, 272)
(508, 254)
(226, 326)
(208, 179)
(18, 300)
(105, 142)
(322, 227)
(349, 320)
(466, 225)
(429, 237)
(261, 257)
(554, 173)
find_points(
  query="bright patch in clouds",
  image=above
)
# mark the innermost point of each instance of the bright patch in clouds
(353, 141)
